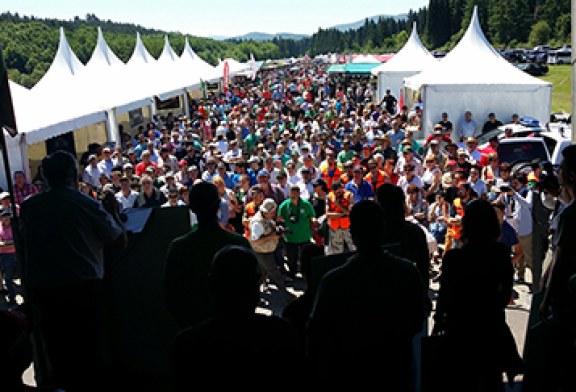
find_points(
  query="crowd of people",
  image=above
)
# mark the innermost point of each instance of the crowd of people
(299, 161)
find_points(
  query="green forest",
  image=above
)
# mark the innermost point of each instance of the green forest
(30, 43)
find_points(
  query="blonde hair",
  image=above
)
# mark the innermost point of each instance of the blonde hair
(218, 181)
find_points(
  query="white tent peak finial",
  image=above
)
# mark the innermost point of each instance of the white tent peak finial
(140, 54)
(102, 52)
(167, 51)
(475, 16)
(66, 54)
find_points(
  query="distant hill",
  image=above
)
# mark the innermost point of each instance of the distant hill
(360, 23)
(260, 37)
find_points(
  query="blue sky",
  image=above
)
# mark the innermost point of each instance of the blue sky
(221, 17)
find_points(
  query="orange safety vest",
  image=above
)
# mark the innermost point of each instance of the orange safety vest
(250, 211)
(381, 178)
(342, 222)
(345, 178)
(454, 231)
(329, 180)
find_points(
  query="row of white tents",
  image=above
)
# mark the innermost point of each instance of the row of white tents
(72, 95)
(471, 77)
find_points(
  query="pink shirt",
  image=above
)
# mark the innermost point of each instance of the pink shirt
(6, 235)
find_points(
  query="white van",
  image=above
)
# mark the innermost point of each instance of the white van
(560, 56)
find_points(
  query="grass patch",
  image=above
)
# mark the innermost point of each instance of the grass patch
(561, 78)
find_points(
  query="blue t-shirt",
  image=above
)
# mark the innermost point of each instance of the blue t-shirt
(362, 192)
(508, 236)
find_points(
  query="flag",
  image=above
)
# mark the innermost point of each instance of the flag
(401, 100)
(226, 76)
(7, 119)
(203, 88)
(252, 67)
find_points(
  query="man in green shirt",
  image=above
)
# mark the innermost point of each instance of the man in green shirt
(298, 216)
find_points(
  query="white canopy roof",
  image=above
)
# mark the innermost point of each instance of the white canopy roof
(105, 73)
(234, 66)
(365, 59)
(413, 57)
(53, 106)
(474, 77)
(72, 95)
(472, 61)
(193, 64)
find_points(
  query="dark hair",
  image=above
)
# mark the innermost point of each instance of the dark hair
(366, 224)
(391, 199)
(480, 223)
(60, 169)
(569, 163)
(204, 201)
(235, 277)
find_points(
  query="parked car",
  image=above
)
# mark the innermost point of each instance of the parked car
(560, 56)
(534, 69)
(521, 151)
(524, 129)
(543, 48)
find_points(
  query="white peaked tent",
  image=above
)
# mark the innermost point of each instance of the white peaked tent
(193, 64)
(234, 67)
(411, 59)
(103, 61)
(137, 71)
(365, 59)
(54, 106)
(16, 146)
(474, 77)
(169, 82)
(104, 76)
(64, 66)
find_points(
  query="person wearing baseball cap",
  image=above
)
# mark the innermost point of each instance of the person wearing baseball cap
(264, 239)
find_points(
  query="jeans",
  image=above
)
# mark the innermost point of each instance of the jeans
(8, 266)
(294, 251)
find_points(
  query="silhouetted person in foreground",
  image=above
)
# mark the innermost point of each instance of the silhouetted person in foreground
(298, 311)
(366, 313)
(413, 246)
(237, 346)
(475, 288)
(16, 352)
(397, 230)
(189, 259)
(551, 365)
(64, 233)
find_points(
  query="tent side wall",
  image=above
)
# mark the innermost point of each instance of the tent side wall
(504, 100)
(16, 158)
(393, 81)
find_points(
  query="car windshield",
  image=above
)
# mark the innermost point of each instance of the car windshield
(486, 136)
(521, 152)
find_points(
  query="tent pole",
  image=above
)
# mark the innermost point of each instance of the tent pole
(112, 126)
(186, 104)
(153, 107)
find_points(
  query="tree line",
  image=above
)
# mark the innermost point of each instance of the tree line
(29, 43)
